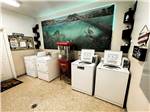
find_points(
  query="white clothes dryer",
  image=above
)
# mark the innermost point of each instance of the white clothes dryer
(47, 67)
(30, 65)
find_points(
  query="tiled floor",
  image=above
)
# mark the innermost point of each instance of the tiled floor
(52, 96)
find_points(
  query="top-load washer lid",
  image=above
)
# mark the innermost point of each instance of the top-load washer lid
(78, 63)
(87, 55)
(42, 53)
(111, 66)
(101, 65)
(44, 58)
(30, 57)
(112, 58)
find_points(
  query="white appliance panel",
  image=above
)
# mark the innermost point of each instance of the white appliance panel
(87, 55)
(32, 73)
(42, 66)
(82, 81)
(30, 65)
(48, 68)
(82, 77)
(111, 85)
(112, 57)
(43, 76)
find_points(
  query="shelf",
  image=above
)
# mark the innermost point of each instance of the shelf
(125, 49)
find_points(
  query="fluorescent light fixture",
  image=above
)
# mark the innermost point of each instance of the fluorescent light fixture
(13, 3)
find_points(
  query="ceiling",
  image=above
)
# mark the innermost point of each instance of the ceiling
(40, 8)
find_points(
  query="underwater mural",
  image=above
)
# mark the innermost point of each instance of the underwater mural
(87, 30)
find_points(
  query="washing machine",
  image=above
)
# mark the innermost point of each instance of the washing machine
(30, 65)
(82, 76)
(83, 72)
(47, 68)
(111, 81)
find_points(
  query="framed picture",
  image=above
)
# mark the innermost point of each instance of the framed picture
(29, 42)
(13, 43)
(20, 43)
(23, 44)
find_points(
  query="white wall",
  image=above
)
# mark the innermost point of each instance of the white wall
(1, 47)
(13, 22)
(120, 9)
(0, 43)
(136, 99)
(18, 23)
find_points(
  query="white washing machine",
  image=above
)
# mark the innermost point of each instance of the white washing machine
(111, 84)
(82, 76)
(30, 65)
(47, 67)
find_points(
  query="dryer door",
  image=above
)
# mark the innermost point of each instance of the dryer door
(42, 66)
(30, 65)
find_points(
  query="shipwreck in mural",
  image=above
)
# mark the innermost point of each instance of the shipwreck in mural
(91, 29)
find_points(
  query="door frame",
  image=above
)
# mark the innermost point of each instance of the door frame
(8, 51)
